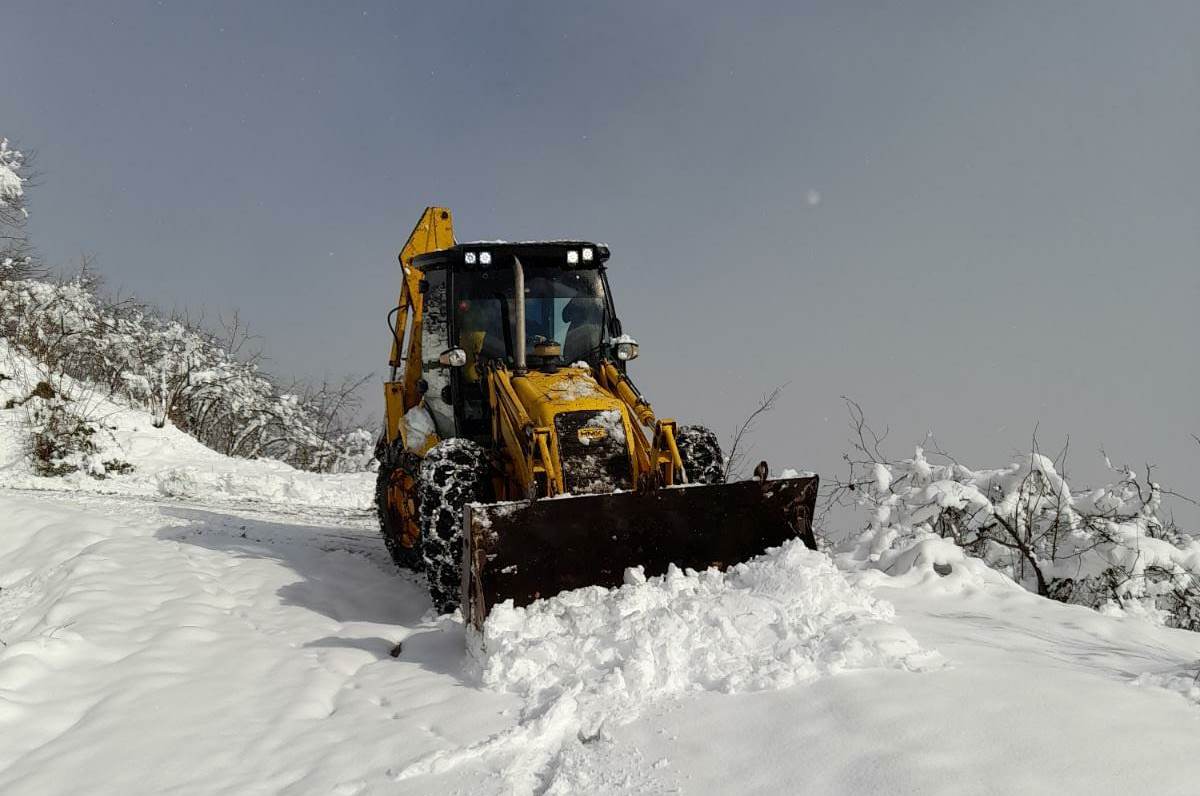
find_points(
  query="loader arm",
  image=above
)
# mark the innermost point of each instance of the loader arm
(661, 457)
(527, 445)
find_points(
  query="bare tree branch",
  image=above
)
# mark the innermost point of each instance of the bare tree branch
(734, 462)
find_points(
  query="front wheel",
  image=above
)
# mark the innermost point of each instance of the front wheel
(454, 472)
(397, 470)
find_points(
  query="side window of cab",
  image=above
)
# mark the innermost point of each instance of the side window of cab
(435, 338)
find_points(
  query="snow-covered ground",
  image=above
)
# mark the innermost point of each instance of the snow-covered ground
(248, 634)
(154, 646)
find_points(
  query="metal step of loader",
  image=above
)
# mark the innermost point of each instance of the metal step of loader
(527, 550)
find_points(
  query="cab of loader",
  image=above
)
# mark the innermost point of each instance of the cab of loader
(471, 310)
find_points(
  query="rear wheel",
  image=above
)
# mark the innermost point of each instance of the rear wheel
(453, 473)
(701, 454)
(397, 465)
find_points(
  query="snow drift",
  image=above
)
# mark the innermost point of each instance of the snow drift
(592, 659)
(778, 620)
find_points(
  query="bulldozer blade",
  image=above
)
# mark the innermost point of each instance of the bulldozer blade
(526, 550)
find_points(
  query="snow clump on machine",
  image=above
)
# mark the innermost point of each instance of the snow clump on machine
(611, 422)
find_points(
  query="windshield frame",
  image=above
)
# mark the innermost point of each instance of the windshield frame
(461, 282)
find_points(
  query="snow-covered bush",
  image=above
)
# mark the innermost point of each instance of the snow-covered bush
(178, 372)
(1104, 548)
(16, 258)
(355, 452)
(12, 190)
(62, 441)
(174, 369)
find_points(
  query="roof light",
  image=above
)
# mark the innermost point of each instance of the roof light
(485, 258)
(588, 254)
(469, 258)
(572, 257)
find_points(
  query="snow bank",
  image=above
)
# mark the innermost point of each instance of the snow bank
(593, 659)
(166, 461)
(776, 621)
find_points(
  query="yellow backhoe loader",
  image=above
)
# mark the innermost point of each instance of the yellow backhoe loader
(518, 460)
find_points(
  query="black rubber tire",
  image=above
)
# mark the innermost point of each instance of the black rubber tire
(453, 473)
(391, 523)
(700, 451)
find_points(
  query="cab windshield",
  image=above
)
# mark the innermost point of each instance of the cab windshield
(563, 305)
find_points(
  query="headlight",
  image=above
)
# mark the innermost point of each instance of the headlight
(485, 258)
(627, 350)
(588, 254)
(572, 257)
(469, 258)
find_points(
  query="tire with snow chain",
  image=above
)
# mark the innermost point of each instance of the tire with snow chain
(454, 472)
(394, 463)
(701, 454)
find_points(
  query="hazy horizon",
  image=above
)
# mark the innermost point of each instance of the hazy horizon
(975, 221)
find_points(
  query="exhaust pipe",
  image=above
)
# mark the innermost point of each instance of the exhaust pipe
(519, 291)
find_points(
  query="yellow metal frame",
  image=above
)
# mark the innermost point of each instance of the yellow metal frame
(532, 445)
(434, 231)
(661, 456)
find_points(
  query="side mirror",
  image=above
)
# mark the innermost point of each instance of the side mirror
(625, 347)
(455, 358)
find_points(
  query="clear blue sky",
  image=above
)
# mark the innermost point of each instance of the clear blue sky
(1004, 230)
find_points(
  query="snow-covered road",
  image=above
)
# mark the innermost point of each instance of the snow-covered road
(158, 646)
(152, 647)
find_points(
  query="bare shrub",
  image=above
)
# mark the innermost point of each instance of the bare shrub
(739, 447)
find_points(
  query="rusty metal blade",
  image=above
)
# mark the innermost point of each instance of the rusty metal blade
(526, 550)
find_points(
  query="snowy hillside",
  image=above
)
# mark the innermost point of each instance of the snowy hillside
(165, 461)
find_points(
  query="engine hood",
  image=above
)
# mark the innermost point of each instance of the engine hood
(591, 431)
(545, 395)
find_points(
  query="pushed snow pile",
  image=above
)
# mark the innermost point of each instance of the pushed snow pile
(592, 659)
(781, 619)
